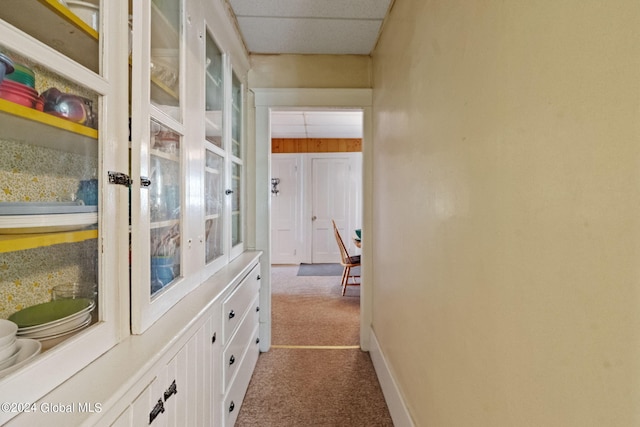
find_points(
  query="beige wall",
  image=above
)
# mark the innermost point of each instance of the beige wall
(310, 71)
(506, 212)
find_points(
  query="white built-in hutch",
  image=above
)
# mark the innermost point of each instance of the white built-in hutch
(174, 335)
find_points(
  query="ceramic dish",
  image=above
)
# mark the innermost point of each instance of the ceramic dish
(8, 350)
(86, 11)
(40, 314)
(52, 341)
(11, 359)
(81, 326)
(44, 208)
(27, 350)
(6, 66)
(26, 224)
(8, 331)
(23, 100)
(67, 319)
(62, 328)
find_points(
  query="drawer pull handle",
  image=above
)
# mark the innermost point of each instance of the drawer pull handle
(232, 314)
(258, 340)
(258, 308)
(232, 406)
(157, 410)
(258, 278)
(173, 389)
(232, 360)
(213, 338)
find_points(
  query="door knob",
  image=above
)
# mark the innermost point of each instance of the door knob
(313, 218)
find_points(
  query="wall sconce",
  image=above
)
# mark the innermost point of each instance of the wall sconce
(274, 186)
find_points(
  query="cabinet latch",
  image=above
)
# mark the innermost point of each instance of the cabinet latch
(119, 178)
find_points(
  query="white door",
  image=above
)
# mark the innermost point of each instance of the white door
(331, 183)
(286, 232)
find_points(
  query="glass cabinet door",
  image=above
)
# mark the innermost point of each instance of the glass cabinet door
(214, 93)
(215, 156)
(214, 188)
(237, 186)
(164, 65)
(164, 206)
(49, 196)
(158, 156)
(61, 97)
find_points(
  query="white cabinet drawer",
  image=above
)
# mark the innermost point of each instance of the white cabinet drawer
(237, 347)
(237, 390)
(237, 304)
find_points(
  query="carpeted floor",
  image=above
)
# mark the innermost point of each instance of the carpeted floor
(330, 269)
(311, 311)
(311, 386)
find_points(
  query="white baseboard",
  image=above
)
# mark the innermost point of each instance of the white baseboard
(399, 412)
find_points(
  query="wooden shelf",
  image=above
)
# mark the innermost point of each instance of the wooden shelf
(37, 128)
(56, 26)
(19, 242)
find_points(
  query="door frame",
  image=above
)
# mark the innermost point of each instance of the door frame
(264, 101)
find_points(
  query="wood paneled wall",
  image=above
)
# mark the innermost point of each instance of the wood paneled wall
(316, 145)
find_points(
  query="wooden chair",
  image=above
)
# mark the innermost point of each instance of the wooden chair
(348, 262)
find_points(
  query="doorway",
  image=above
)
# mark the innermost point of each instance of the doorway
(266, 101)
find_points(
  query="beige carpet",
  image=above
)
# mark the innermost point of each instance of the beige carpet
(309, 310)
(313, 387)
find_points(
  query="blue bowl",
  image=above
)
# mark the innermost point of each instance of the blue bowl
(6, 66)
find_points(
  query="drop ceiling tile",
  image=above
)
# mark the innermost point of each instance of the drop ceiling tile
(309, 36)
(344, 9)
(287, 118)
(333, 118)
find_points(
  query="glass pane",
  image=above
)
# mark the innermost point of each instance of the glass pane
(236, 231)
(165, 195)
(166, 29)
(214, 173)
(72, 30)
(214, 97)
(236, 117)
(49, 190)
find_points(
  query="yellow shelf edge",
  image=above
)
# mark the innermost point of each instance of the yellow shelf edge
(46, 119)
(66, 13)
(19, 242)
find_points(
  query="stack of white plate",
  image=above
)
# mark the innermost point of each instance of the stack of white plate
(8, 343)
(53, 321)
(14, 351)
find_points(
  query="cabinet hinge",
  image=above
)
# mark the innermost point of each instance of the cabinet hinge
(119, 178)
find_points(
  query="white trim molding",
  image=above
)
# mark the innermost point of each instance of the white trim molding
(397, 408)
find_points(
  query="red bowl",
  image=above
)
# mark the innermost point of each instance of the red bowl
(17, 98)
(39, 104)
(32, 95)
(19, 87)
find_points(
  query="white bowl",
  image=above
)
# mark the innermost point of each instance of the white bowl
(89, 13)
(8, 351)
(8, 331)
(27, 350)
(9, 361)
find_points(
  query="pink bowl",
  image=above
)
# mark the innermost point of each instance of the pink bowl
(39, 104)
(17, 98)
(18, 88)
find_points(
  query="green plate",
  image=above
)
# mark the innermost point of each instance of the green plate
(20, 78)
(23, 69)
(48, 312)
